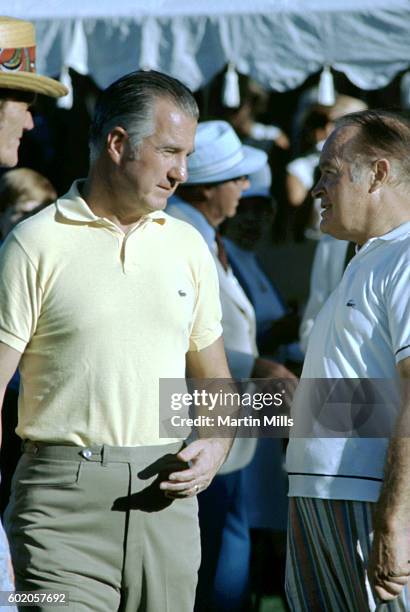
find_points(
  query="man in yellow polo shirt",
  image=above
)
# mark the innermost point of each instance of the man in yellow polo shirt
(102, 294)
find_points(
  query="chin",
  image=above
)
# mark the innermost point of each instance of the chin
(231, 214)
(326, 227)
(158, 204)
(8, 160)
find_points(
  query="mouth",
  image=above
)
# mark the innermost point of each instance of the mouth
(166, 191)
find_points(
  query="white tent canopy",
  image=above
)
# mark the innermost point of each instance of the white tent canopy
(277, 42)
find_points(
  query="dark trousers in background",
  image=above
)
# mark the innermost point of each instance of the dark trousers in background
(223, 582)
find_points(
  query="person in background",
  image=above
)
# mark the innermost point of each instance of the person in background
(23, 192)
(252, 102)
(211, 195)
(277, 325)
(19, 84)
(317, 126)
(218, 172)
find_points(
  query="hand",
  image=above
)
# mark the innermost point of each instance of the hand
(264, 368)
(389, 566)
(205, 457)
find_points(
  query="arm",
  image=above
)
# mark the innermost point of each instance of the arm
(9, 360)
(389, 566)
(205, 455)
(295, 190)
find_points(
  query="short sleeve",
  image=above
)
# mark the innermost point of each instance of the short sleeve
(207, 318)
(20, 295)
(398, 311)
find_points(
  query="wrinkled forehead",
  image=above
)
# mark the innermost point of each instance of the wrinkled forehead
(338, 145)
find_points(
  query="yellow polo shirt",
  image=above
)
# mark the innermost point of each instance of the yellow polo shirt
(100, 317)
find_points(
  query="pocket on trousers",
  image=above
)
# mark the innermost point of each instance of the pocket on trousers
(32, 471)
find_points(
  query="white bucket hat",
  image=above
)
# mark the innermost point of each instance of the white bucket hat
(220, 156)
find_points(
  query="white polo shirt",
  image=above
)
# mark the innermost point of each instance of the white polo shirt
(362, 331)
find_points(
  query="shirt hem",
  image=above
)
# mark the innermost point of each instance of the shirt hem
(328, 487)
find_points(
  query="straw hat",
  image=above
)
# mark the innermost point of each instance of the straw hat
(220, 156)
(17, 60)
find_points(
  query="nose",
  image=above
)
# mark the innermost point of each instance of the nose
(28, 121)
(317, 189)
(179, 172)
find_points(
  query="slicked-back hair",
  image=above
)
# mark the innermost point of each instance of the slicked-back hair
(381, 134)
(129, 103)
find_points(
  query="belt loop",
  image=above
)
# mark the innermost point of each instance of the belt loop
(30, 447)
(103, 456)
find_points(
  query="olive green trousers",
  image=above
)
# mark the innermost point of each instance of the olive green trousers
(92, 522)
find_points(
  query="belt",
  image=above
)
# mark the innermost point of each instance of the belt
(102, 453)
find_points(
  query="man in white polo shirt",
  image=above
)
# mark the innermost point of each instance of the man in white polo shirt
(102, 295)
(350, 508)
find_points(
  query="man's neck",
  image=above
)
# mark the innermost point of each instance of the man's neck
(384, 224)
(106, 201)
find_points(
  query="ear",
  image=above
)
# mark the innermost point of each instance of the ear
(117, 145)
(207, 192)
(379, 175)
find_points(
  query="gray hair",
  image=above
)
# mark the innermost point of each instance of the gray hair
(129, 103)
(381, 133)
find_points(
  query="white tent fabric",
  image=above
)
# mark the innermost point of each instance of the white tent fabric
(277, 42)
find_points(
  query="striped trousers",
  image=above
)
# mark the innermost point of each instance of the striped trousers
(329, 544)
